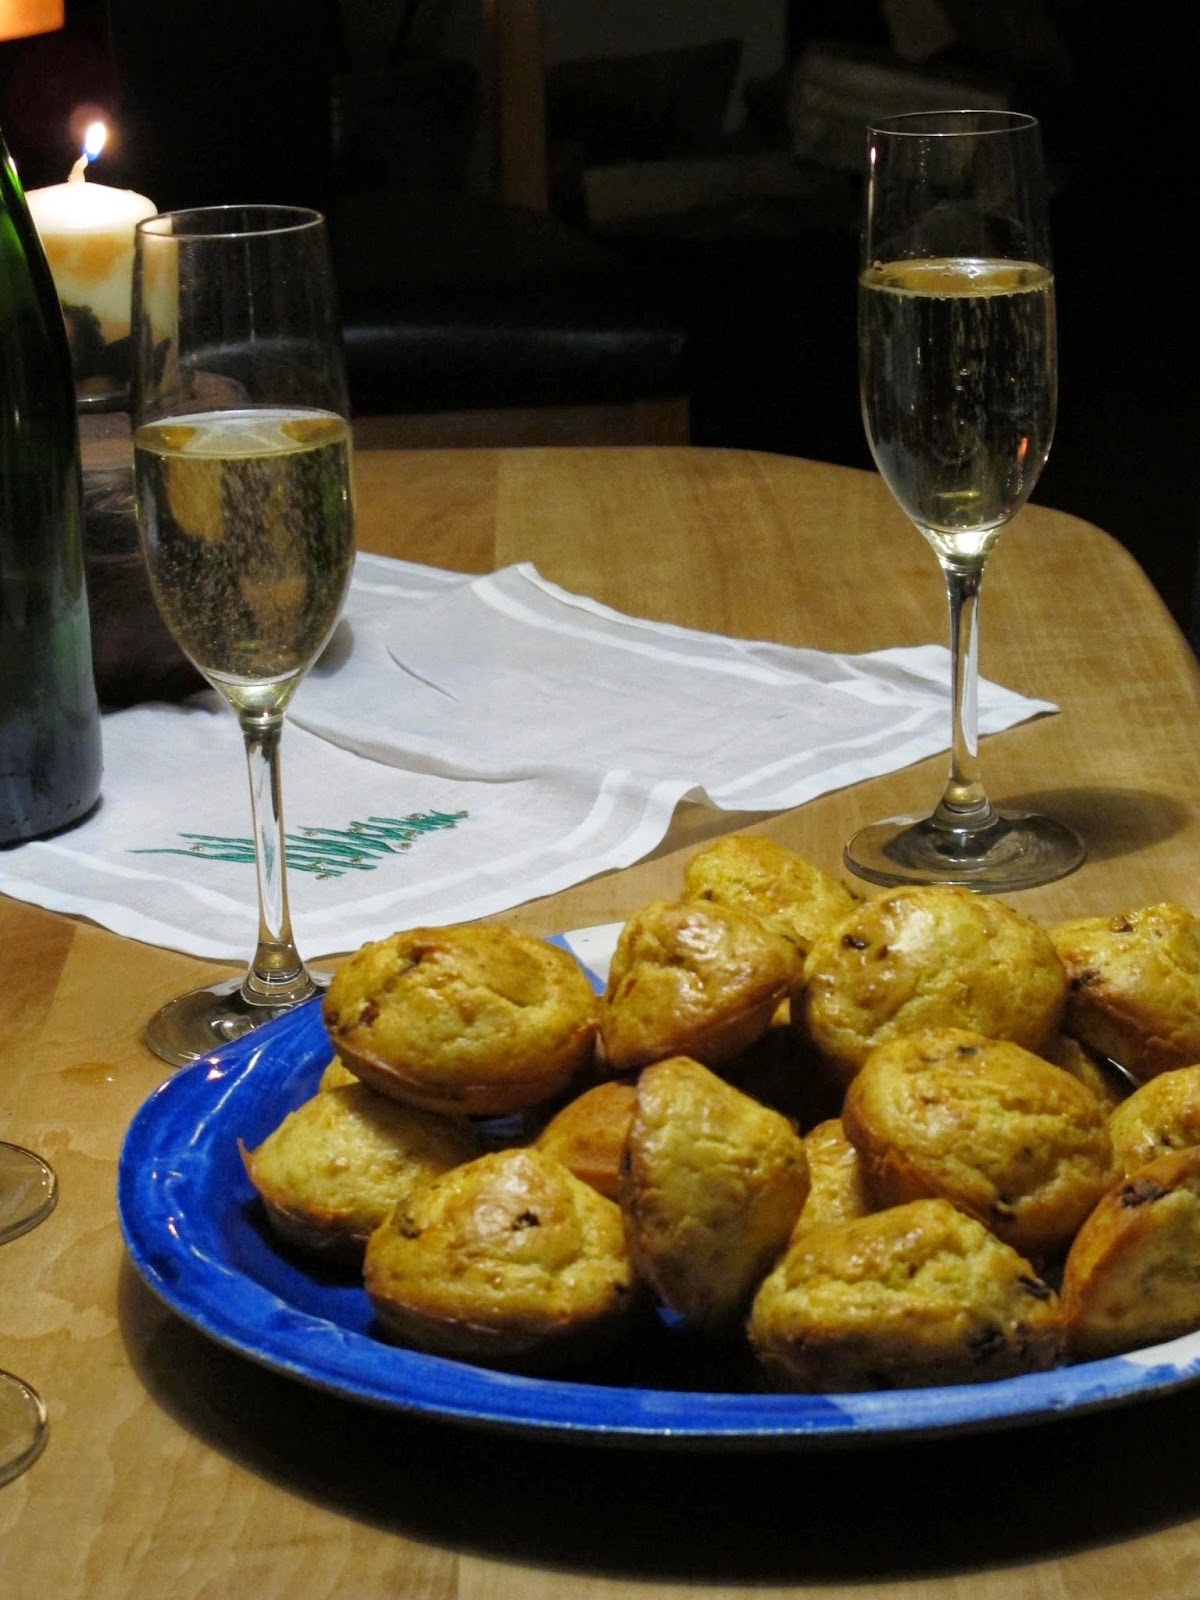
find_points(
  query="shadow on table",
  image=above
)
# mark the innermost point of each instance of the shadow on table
(937, 1507)
(1112, 822)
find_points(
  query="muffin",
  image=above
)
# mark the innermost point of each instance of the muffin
(478, 1019)
(711, 1186)
(837, 1189)
(1163, 1115)
(1134, 986)
(333, 1169)
(1131, 1276)
(1106, 1081)
(588, 1134)
(508, 1260)
(690, 979)
(1000, 1133)
(928, 957)
(336, 1075)
(781, 889)
(916, 1295)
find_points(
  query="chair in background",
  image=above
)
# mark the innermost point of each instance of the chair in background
(472, 315)
(481, 318)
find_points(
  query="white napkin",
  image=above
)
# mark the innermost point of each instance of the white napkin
(468, 744)
(508, 675)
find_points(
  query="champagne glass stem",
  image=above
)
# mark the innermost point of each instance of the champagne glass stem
(277, 975)
(964, 806)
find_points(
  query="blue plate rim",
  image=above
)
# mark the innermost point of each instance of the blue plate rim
(167, 1216)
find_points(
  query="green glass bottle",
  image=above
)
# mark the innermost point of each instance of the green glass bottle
(49, 718)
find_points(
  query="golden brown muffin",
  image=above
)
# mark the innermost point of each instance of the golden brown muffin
(916, 1295)
(780, 888)
(509, 1259)
(999, 1132)
(1163, 1115)
(1131, 1276)
(1134, 990)
(337, 1075)
(1107, 1082)
(928, 957)
(837, 1189)
(476, 1019)
(333, 1169)
(690, 979)
(711, 1186)
(588, 1134)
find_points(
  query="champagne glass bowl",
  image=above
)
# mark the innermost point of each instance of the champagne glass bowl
(958, 379)
(244, 507)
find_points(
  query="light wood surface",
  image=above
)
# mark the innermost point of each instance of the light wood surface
(175, 1469)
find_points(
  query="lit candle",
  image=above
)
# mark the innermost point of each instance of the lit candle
(87, 232)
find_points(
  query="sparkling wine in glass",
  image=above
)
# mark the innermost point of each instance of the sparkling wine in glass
(242, 474)
(958, 379)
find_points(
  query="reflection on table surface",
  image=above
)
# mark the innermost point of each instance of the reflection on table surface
(175, 1467)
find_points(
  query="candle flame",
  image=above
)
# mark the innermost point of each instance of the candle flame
(93, 139)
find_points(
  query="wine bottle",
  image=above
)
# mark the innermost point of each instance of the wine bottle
(50, 755)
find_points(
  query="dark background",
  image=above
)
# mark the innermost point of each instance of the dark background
(215, 101)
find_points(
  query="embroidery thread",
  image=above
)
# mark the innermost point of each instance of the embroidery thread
(323, 852)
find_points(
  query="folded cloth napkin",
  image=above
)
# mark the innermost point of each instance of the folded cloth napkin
(510, 676)
(466, 744)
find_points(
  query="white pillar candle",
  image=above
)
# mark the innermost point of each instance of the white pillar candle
(87, 230)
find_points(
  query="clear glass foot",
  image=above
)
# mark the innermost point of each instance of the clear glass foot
(28, 1191)
(1014, 852)
(23, 1426)
(195, 1024)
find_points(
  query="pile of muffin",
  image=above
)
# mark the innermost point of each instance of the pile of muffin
(905, 1140)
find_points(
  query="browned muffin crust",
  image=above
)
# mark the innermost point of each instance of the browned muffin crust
(1106, 1081)
(1134, 986)
(510, 1260)
(711, 1186)
(690, 979)
(838, 1189)
(333, 1169)
(786, 893)
(477, 1019)
(999, 1132)
(915, 1295)
(588, 1134)
(1131, 1276)
(1163, 1115)
(928, 957)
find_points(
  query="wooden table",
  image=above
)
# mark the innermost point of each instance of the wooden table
(177, 1469)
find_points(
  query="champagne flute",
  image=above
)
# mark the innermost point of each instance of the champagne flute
(958, 378)
(244, 505)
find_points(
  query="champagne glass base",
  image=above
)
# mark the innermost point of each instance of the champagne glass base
(28, 1191)
(23, 1426)
(1015, 852)
(197, 1023)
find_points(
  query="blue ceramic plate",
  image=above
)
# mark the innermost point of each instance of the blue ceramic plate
(195, 1232)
